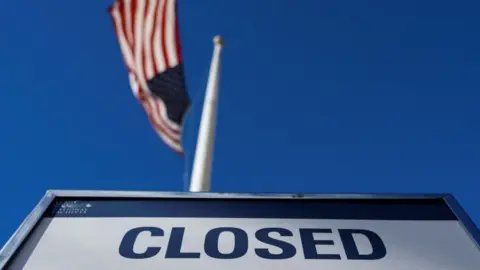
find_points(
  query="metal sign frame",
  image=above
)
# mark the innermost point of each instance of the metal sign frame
(27, 226)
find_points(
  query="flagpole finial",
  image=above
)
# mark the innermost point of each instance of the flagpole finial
(218, 40)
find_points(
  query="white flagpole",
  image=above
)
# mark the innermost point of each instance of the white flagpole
(202, 165)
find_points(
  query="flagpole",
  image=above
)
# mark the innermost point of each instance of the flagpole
(202, 165)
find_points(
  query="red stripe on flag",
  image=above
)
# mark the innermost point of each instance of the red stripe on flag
(177, 37)
(164, 23)
(152, 39)
(133, 22)
(143, 52)
(121, 9)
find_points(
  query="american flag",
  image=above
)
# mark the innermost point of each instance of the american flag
(148, 35)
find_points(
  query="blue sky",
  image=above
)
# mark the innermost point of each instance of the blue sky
(315, 96)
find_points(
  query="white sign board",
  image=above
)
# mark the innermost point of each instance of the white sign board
(247, 232)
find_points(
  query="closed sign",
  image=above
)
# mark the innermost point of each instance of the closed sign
(247, 233)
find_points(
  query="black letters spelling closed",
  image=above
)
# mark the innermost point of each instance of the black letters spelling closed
(311, 238)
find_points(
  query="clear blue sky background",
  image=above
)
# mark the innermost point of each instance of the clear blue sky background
(315, 96)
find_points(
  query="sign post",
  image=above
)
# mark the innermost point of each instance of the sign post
(81, 230)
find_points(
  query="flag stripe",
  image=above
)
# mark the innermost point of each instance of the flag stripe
(152, 37)
(158, 52)
(162, 37)
(177, 38)
(138, 53)
(170, 35)
(148, 36)
(129, 7)
(147, 63)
